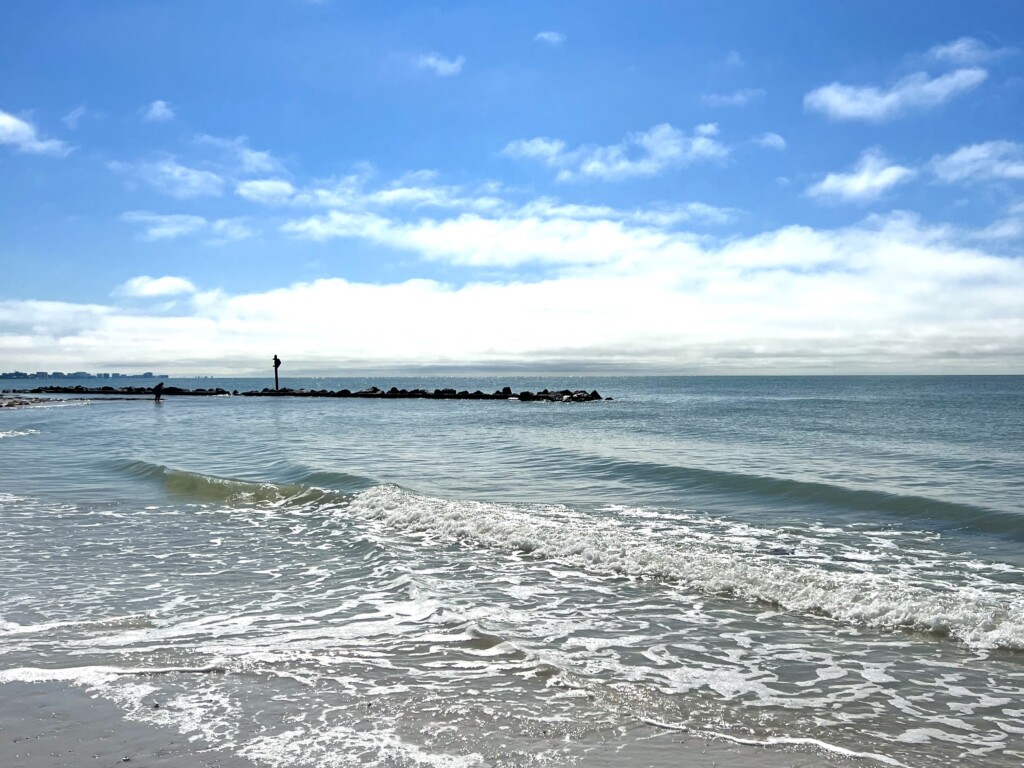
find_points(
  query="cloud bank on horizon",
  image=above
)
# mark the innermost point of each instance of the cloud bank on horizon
(421, 188)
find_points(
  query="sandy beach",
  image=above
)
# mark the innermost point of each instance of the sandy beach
(49, 725)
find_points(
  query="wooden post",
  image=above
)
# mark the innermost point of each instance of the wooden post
(277, 364)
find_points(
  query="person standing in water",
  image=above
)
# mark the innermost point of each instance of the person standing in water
(158, 390)
(277, 364)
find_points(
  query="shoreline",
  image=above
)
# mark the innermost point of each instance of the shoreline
(56, 725)
(53, 725)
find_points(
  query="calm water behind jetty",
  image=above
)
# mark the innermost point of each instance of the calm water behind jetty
(814, 563)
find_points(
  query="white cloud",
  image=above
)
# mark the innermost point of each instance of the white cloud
(71, 118)
(646, 153)
(871, 176)
(734, 59)
(887, 295)
(441, 66)
(738, 98)
(549, 37)
(966, 50)
(164, 226)
(242, 157)
(541, 148)
(158, 226)
(145, 286)
(976, 162)
(266, 191)
(1005, 229)
(351, 194)
(872, 104)
(473, 240)
(228, 231)
(23, 136)
(159, 112)
(543, 231)
(770, 141)
(1010, 227)
(171, 178)
(660, 216)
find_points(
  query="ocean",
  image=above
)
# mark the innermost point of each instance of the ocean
(826, 568)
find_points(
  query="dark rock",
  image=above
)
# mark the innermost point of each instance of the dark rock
(507, 391)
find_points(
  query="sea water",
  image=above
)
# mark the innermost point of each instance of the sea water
(830, 564)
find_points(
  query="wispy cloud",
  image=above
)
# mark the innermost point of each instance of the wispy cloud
(734, 60)
(156, 226)
(244, 159)
(869, 103)
(164, 226)
(224, 231)
(352, 193)
(159, 112)
(71, 118)
(24, 137)
(646, 153)
(873, 175)
(550, 151)
(266, 191)
(991, 160)
(770, 141)
(965, 51)
(1010, 227)
(172, 178)
(663, 216)
(738, 98)
(441, 66)
(550, 37)
(147, 287)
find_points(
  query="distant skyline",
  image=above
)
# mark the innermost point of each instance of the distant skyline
(593, 187)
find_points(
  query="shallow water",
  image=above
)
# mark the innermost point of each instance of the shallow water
(832, 564)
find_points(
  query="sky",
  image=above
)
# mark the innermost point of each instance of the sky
(795, 187)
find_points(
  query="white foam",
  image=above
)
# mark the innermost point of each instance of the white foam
(18, 433)
(792, 741)
(707, 561)
(93, 675)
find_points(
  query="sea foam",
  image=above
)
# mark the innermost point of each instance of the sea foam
(712, 564)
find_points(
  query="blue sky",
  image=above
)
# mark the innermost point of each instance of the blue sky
(677, 187)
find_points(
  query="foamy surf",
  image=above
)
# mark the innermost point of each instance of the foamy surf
(699, 553)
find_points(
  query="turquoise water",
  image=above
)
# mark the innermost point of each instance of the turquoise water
(824, 564)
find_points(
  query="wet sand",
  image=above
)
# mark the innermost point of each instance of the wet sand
(51, 725)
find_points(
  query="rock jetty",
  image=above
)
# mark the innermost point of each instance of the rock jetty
(506, 393)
